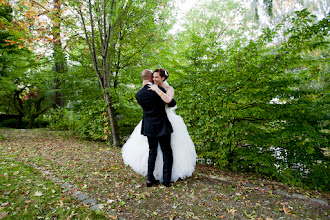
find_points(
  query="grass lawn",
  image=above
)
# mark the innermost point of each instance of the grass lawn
(98, 170)
(28, 194)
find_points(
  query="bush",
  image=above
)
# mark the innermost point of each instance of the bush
(59, 119)
(91, 121)
(12, 123)
(228, 102)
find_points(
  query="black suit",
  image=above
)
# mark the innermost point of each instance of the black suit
(158, 129)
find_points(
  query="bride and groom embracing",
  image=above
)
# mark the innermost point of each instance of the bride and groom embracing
(160, 146)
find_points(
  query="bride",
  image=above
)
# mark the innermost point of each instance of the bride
(135, 151)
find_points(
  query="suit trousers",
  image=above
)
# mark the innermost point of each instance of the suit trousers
(165, 145)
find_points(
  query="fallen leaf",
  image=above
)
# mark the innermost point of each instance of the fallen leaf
(38, 193)
(110, 201)
(286, 210)
(231, 211)
(4, 204)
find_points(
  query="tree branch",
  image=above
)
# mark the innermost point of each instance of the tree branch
(91, 45)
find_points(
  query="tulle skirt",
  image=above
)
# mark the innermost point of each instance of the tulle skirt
(135, 152)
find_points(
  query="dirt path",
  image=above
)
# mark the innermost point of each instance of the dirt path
(98, 170)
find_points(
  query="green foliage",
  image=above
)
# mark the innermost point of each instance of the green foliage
(26, 82)
(319, 175)
(28, 90)
(119, 37)
(89, 119)
(85, 112)
(88, 122)
(59, 119)
(260, 106)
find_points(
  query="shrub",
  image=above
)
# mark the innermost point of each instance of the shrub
(243, 102)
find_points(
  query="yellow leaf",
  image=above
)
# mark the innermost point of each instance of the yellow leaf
(16, 7)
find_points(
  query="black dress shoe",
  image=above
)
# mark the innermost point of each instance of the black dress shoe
(166, 184)
(151, 183)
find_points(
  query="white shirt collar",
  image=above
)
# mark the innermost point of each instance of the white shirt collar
(149, 83)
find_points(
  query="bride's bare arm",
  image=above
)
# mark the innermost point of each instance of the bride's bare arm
(166, 97)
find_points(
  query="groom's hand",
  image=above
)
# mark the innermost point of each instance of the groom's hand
(172, 103)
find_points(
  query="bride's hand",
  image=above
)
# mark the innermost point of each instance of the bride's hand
(153, 87)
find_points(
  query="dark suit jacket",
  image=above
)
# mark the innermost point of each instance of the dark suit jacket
(155, 122)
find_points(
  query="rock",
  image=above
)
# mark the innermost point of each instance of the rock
(66, 185)
(75, 194)
(95, 207)
(299, 196)
(283, 193)
(82, 197)
(250, 185)
(223, 178)
(322, 201)
(90, 201)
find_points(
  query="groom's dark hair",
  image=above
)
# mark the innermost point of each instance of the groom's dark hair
(146, 74)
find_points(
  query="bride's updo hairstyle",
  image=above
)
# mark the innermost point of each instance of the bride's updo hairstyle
(162, 72)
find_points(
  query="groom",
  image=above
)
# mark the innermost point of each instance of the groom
(157, 128)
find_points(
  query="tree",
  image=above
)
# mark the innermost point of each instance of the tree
(27, 90)
(116, 33)
(6, 44)
(24, 86)
(39, 26)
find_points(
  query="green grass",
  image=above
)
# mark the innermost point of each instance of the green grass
(98, 170)
(1, 137)
(27, 194)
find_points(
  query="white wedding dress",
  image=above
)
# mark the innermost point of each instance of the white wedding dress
(135, 152)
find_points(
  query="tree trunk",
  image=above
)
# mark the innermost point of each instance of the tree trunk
(58, 53)
(19, 107)
(113, 121)
(31, 122)
(255, 4)
(20, 119)
(269, 7)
